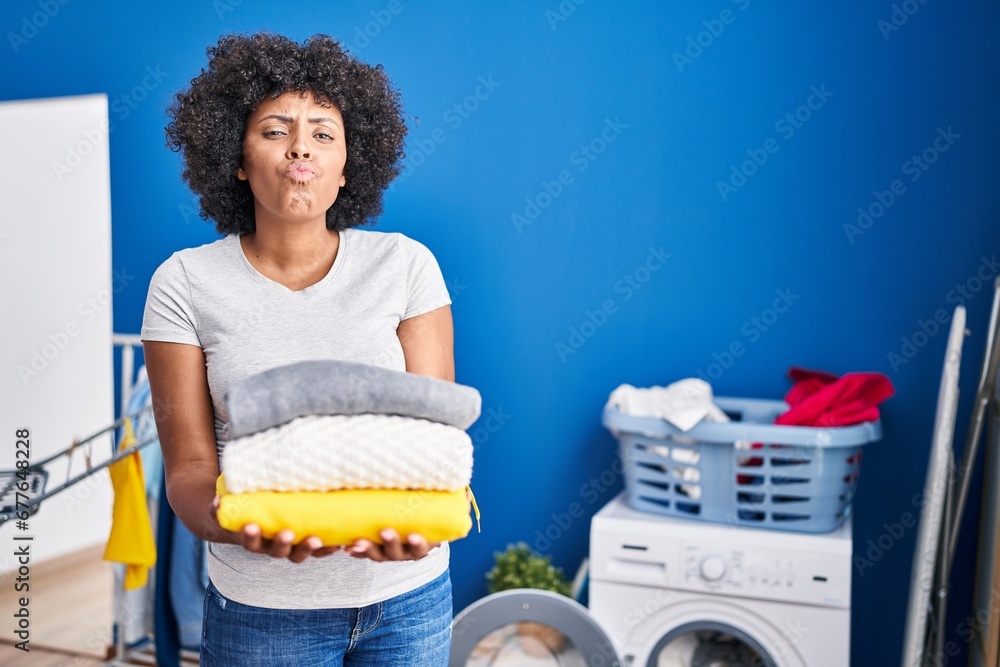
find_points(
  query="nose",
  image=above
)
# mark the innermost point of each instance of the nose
(298, 147)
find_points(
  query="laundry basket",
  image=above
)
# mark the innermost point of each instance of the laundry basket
(747, 472)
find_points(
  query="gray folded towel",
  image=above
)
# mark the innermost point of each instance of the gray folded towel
(332, 387)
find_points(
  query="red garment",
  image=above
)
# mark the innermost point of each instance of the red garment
(822, 399)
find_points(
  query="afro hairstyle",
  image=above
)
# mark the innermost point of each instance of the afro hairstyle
(208, 122)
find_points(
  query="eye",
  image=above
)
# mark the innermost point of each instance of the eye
(324, 135)
(273, 133)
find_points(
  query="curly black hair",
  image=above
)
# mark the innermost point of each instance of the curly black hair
(209, 119)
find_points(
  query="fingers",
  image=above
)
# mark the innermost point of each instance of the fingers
(252, 539)
(305, 548)
(392, 546)
(418, 546)
(366, 549)
(414, 547)
(279, 547)
(282, 545)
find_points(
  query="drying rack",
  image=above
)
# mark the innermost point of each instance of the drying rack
(37, 475)
(24, 490)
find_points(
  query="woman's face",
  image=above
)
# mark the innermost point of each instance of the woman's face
(294, 152)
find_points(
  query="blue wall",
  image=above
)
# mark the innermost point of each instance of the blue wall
(609, 130)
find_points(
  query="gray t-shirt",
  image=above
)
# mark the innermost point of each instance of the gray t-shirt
(212, 297)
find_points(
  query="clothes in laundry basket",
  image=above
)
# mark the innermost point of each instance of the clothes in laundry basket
(683, 403)
(820, 399)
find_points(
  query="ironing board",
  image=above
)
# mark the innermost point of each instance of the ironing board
(946, 492)
(935, 491)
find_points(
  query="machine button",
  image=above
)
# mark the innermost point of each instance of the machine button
(713, 568)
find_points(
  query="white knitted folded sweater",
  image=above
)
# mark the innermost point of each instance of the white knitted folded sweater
(336, 452)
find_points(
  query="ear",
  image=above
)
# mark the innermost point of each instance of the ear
(343, 180)
(241, 174)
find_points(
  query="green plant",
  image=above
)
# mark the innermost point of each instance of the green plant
(520, 567)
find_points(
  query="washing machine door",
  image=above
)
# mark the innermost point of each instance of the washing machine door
(709, 643)
(526, 627)
(697, 630)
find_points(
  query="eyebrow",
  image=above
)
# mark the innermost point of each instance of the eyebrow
(289, 119)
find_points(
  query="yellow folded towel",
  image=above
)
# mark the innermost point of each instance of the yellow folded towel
(131, 540)
(341, 517)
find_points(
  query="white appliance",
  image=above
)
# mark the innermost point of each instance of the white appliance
(659, 585)
(666, 592)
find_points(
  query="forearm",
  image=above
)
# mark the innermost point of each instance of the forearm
(191, 491)
(182, 406)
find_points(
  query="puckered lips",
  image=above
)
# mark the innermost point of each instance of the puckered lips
(301, 172)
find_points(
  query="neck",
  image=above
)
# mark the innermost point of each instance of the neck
(291, 246)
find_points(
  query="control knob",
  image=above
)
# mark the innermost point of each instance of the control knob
(713, 567)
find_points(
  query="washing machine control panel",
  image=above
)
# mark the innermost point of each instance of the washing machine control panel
(729, 568)
(763, 574)
(634, 548)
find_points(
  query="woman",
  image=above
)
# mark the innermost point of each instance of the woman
(290, 148)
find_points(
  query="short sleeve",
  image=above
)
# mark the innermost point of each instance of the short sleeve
(425, 286)
(169, 314)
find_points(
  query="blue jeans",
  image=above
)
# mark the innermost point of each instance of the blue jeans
(188, 583)
(410, 629)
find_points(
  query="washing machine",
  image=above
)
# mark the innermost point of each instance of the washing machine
(668, 592)
(671, 591)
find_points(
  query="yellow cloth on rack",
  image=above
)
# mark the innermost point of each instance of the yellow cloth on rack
(340, 517)
(131, 539)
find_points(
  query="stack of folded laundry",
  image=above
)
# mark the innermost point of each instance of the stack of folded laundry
(341, 450)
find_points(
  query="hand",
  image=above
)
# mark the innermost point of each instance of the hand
(393, 548)
(281, 546)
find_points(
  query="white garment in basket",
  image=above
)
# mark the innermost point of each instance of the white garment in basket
(335, 452)
(683, 403)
